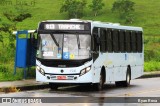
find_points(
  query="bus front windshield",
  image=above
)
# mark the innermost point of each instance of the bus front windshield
(64, 46)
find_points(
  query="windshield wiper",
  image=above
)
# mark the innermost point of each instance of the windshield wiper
(78, 42)
(54, 39)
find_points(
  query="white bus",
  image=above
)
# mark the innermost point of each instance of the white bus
(88, 52)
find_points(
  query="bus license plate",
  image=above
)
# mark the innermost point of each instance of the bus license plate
(61, 77)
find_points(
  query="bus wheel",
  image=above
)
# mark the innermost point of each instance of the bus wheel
(99, 86)
(125, 83)
(53, 86)
(128, 79)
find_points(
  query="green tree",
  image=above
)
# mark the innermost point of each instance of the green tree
(8, 28)
(96, 6)
(14, 19)
(75, 8)
(125, 9)
(1, 37)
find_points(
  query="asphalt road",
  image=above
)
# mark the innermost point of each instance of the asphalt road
(139, 88)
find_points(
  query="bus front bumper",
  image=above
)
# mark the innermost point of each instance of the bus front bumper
(65, 79)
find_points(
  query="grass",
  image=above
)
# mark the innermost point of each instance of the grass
(6, 73)
(151, 66)
(7, 67)
(146, 15)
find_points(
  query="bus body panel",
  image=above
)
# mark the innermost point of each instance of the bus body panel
(116, 65)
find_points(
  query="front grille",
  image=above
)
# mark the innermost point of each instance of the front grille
(62, 63)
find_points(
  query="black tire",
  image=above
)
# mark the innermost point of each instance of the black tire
(53, 86)
(118, 83)
(128, 79)
(125, 83)
(99, 86)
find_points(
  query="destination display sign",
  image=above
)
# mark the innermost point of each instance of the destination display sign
(51, 26)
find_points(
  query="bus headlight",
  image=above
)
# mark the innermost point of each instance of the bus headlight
(88, 69)
(40, 70)
(84, 71)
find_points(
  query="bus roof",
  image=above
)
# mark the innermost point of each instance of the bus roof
(100, 24)
(115, 26)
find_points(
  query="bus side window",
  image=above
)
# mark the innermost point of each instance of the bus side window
(103, 40)
(94, 39)
(115, 41)
(122, 41)
(133, 42)
(127, 41)
(139, 42)
(109, 43)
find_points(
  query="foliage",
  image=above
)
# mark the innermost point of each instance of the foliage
(125, 8)
(18, 18)
(151, 55)
(74, 8)
(6, 72)
(7, 39)
(9, 28)
(151, 66)
(152, 48)
(96, 6)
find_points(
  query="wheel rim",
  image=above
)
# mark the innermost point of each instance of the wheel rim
(128, 79)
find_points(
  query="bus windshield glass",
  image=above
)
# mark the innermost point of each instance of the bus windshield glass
(64, 46)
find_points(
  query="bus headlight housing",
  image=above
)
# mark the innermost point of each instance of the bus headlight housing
(84, 71)
(40, 70)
